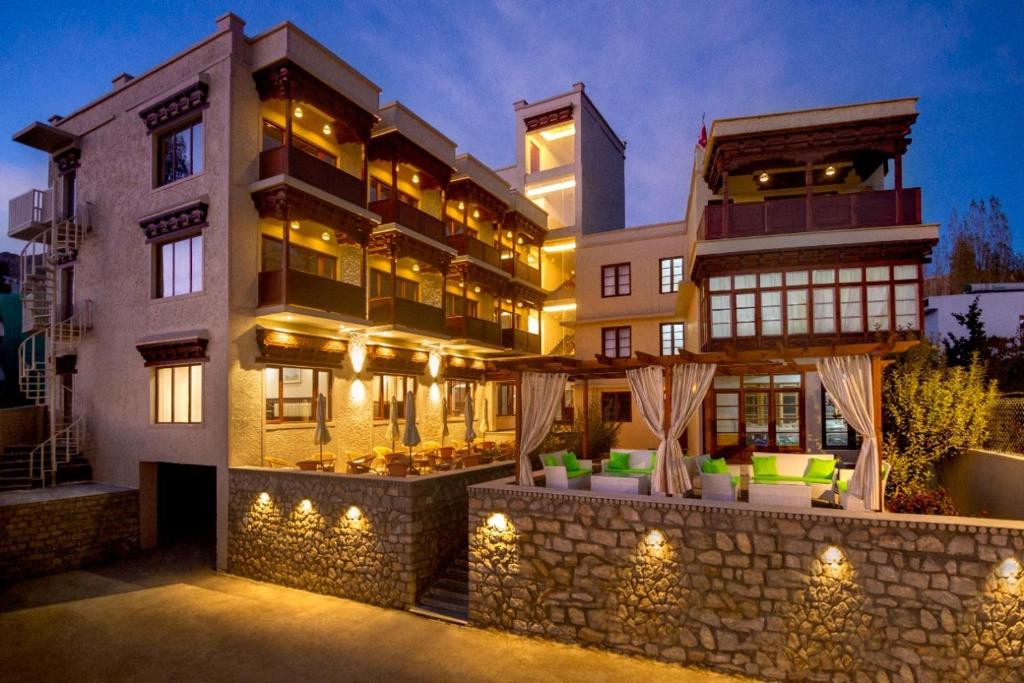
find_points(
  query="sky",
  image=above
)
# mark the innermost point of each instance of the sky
(652, 68)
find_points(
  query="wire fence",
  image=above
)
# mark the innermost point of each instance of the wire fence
(1006, 425)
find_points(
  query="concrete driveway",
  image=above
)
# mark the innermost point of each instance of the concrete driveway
(155, 618)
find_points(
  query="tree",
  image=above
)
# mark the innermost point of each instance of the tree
(962, 351)
(975, 247)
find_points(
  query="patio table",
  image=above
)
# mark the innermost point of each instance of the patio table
(620, 483)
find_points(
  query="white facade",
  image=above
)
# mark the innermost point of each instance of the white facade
(1002, 311)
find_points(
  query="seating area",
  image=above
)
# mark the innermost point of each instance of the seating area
(428, 457)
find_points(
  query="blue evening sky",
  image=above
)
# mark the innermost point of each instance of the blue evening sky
(652, 68)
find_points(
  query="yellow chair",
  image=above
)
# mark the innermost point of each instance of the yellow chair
(279, 463)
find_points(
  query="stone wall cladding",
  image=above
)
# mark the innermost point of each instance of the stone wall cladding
(751, 591)
(406, 529)
(50, 536)
(23, 425)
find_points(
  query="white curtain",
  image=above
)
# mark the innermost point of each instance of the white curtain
(690, 383)
(541, 400)
(847, 380)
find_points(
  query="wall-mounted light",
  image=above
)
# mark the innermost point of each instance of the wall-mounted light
(508, 234)
(434, 363)
(477, 289)
(1010, 569)
(830, 171)
(498, 522)
(476, 214)
(327, 129)
(416, 178)
(763, 178)
(294, 225)
(561, 246)
(519, 304)
(434, 393)
(264, 498)
(832, 556)
(325, 236)
(519, 241)
(462, 206)
(357, 351)
(654, 538)
(298, 112)
(353, 513)
(306, 505)
(357, 392)
(289, 317)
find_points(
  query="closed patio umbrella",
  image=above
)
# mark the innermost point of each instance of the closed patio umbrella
(392, 432)
(411, 436)
(444, 420)
(470, 434)
(321, 435)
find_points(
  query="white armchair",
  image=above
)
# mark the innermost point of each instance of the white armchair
(556, 476)
(851, 502)
(720, 486)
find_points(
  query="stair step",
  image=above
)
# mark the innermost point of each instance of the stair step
(446, 596)
(457, 618)
(445, 607)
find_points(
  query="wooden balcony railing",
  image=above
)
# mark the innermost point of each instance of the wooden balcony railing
(785, 215)
(312, 291)
(523, 271)
(471, 246)
(285, 160)
(407, 313)
(474, 329)
(520, 340)
(409, 216)
(27, 210)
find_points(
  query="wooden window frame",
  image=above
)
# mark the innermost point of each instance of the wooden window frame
(510, 387)
(616, 268)
(156, 394)
(617, 331)
(772, 392)
(853, 438)
(316, 392)
(160, 177)
(323, 258)
(674, 326)
(449, 386)
(383, 276)
(381, 404)
(159, 268)
(303, 145)
(672, 286)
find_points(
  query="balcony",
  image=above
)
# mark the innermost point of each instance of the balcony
(312, 291)
(407, 313)
(285, 160)
(28, 214)
(522, 271)
(471, 246)
(520, 340)
(474, 329)
(826, 212)
(401, 213)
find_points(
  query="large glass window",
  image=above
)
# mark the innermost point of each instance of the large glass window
(671, 274)
(721, 316)
(746, 326)
(671, 338)
(273, 136)
(615, 280)
(387, 386)
(299, 258)
(180, 152)
(771, 313)
(380, 286)
(505, 399)
(180, 266)
(758, 411)
(836, 432)
(178, 394)
(617, 342)
(291, 393)
(456, 391)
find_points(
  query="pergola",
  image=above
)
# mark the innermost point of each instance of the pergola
(730, 361)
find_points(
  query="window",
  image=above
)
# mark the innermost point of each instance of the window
(380, 286)
(906, 307)
(300, 258)
(387, 386)
(178, 394)
(180, 152)
(671, 274)
(505, 403)
(456, 392)
(745, 323)
(878, 307)
(273, 136)
(616, 406)
(727, 417)
(721, 316)
(380, 190)
(796, 311)
(671, 338)
(824, 310)
(180, 266)
(771, 313)
(291, 393)
(836, 432)
(617, 342)
(757, 411)
(850, 312)
(615, 280)
(455, 303)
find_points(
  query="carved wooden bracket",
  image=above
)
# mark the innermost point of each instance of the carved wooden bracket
(186, 217)
(178, 105)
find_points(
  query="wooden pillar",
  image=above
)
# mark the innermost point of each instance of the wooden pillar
(725, 203)
(394, 185)
(897, 163)
(808, 194)
(288, 109)
(585, 447)
(465, 300)
(876, 405)
(519, 422)
(286, 229)
(364, 274)
(394, 282)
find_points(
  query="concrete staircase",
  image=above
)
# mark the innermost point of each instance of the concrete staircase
(448, 597)
(18, 472)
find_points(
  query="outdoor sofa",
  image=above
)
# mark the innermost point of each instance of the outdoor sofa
(561, 472)
(813, 469)
(636, 461)
(714, 485)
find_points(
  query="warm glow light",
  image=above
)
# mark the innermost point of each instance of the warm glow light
(434, 363)
(519, 304)
(508, 234)
(462, 285)
(353, 513)
(476, 214)
(298, 112)
(306, 505)
(560, 247)
(538, 190)
(559, 132)
(832, 556)
(434, 393)
(327, 129)
(416, 178)
(506, 255)
(294, 225)
(357, 392)
(498, 522)
(462, 206)
(763, 177)
(1010, 569)
(477, 289)
(830, 171)
(655, 538)
(520, 240)
(288, 316)
(326, 236)
(357, 351)
(415, 267)
(559, 308)
(264, 498)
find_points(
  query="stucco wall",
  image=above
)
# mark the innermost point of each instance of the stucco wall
(384, 553)
(773, 593)
(985, 482)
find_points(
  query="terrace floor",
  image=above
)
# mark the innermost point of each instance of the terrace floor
(163, 616)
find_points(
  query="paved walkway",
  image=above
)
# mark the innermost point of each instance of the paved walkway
(142, 619)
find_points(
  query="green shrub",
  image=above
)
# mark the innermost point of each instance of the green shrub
(932, 413)
(923, 502)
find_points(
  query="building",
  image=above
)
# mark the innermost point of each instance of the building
(1002, 311)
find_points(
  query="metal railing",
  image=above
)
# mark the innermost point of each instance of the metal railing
(1006, 425)
(57, 449)
(32, 207)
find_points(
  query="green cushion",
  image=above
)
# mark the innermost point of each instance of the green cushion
(844, 485)
(714, 466)
(618, 460)
(735, 480)
(572, 474)
(550, 461)
(820, 468)
(773, 478)
(570, 462)
(764, 465)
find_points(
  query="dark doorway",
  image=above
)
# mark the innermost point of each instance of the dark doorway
(187, 508)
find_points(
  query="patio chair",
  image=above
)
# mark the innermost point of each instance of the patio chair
(279, 463)
(397, 465)
(851, 502)
(361, 464)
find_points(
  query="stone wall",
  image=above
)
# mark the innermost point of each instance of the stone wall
(373, 539)
(771, 593)
(23, 425)
(64, 528)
